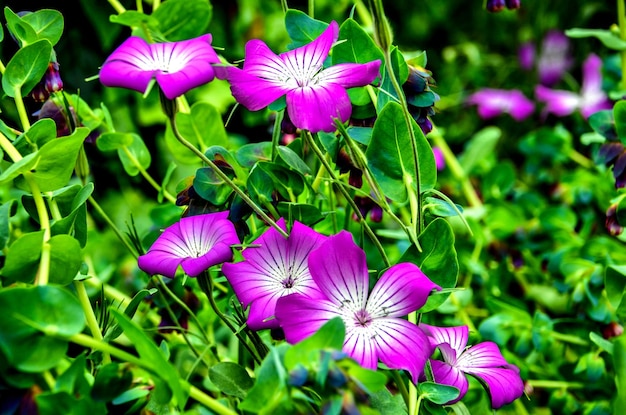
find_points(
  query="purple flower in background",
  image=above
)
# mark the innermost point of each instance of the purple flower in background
(274, 266)
(591, 98)
(196, 243)
(483, 361)
(315, 95)
(493, 102)
(375, 329)
(554, 59)
(440, 160)
(176, 66)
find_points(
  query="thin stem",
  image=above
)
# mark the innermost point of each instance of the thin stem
(119, 9)
(320, 155)
(195, 393)
(147, 175)
(21, 109)
(621, 20)
(276, 133)
(90, 316)
(227, 180)
(206, 283)
(108, 220)
(456, 169)
(555, 384)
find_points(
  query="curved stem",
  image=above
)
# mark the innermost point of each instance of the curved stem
(108, 220)
(320, 155)
(147, 175)
(226, 179)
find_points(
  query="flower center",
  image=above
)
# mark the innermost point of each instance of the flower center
(363, 318)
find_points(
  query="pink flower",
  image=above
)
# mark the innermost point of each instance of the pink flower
(493, 102)
(273, 266)
(195, 243)
(591, 98)
(375, 329)
(315, 95)
(176, 66)
(483, 360)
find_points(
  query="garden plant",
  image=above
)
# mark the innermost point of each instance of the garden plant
(322, 207)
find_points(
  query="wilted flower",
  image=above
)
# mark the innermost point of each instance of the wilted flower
(196, 243)
(493, 102)
(483, 361)
(274, 266)
(375, 329)
(315, 95)
(176, 66)
(591, 98)
(611, 223)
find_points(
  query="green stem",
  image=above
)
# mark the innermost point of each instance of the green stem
(108, 220)
(119, 9)
(276, 133)
(621, 20)
(320, 155)
(90, 316)
(206, 283)
(195, 393)
(21, 109)
(555, 384)
(147, 175)
(456, 169)
(226, 180)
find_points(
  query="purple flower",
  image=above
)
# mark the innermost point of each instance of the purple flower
(591, 98)
(440, 160)
(554, 59)
(196, 243)
(176, 66)
(493, 102)
(483, 361)
(274, 266)
(375, 329)
(315, 95)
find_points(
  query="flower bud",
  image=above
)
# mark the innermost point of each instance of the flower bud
(495, 5)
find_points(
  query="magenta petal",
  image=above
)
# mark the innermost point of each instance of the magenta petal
(339, 269)
(484, 354)
(349, 75)
(558, 102)
(504, 384)
(592, 74)
(401, 290)
(401, 345)
(446, 374)
(274, 266)
(129, 66)
(253, 92)
(195, 242)
(308, 59)
(314, 108)
(455, 337)
(301, 316)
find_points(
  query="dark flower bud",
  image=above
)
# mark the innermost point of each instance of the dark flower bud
(611, 223)
(52, 79)
(513, 4)
(613, 329)
(298, 376)
(495, 5)
(336, 378)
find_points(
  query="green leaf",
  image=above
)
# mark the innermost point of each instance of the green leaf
(303, 213)
(65, 259)
(390, 158)
(608, 38)
(20, 167)
(23, 31)
(37, 135)
(307, 353)
(110, 141)
(293, 160)
(22, 260)
(133, 18)
(480, 146)
(111, 380)
(151, 356)
(619, 362)
(57, 159)
(6, 210)
(203, 127)
(26, 68)
(211, 187)
(437, 393)
(135, 153)
(115, 331)
(183, 19)
(30, 313)
(231, 378)
(270, 389)
(615, 287)
(302, 28)
(358, 46)
(53, 403)
(438, 259)
(619, 115)
(47, 23)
